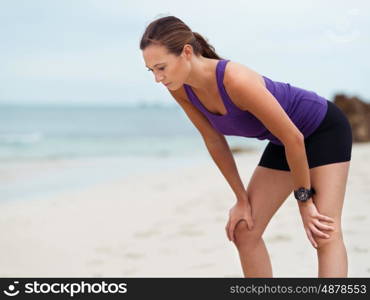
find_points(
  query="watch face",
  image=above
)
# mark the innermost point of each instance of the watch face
(301, 194)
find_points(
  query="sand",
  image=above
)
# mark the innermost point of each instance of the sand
(169, 224)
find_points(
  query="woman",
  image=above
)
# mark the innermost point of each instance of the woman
(309, 150)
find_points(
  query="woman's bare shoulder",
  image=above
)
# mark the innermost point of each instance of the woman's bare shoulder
(236, 70)
(240, 82)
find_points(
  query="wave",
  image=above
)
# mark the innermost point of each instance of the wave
(21, 138)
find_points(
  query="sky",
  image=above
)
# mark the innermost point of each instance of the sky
(87, 51)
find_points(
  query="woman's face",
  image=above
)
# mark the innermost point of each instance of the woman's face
(169, 69)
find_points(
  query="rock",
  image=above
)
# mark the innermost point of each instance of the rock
(358, 114)
(240, 149)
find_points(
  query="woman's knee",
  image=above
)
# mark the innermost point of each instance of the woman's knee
(245, 237)
(334, 237)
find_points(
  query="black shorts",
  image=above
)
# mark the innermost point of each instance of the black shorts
(331, 142)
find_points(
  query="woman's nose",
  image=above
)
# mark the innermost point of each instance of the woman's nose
(158, 78)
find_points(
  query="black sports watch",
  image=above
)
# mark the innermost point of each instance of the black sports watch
(303, 194)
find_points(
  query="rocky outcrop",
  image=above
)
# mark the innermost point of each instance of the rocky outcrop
(358, 114)
(236, 149)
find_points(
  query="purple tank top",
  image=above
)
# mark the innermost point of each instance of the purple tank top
(305, 108)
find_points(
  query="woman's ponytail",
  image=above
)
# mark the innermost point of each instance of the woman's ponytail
(206, 49)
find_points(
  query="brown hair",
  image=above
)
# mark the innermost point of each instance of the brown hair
(173, 33)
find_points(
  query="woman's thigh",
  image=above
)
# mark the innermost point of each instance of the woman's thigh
(330, 182)
(267, 190)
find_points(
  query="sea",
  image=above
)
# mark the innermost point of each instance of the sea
(47, 149)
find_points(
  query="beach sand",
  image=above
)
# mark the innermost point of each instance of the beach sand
(170, 224)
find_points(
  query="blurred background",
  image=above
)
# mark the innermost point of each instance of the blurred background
(78, 106)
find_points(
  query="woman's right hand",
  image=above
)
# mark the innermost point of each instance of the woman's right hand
(240, 211)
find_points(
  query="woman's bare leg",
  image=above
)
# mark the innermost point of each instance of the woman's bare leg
(267, 190)
(330, 183)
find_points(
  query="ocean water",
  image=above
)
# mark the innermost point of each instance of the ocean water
(47, 149)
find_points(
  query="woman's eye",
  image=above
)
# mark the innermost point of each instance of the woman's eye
(161, 69)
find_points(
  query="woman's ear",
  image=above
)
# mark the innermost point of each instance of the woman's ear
(187, 51)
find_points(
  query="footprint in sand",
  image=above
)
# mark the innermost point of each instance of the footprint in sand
(360, 250)
(219, 208)
(279, 238)
(103, 250)
(359, 218)
(129, 272)
(97, 262)
(186, 232)
(202, 266)
(233, 276)
(94, 262)
(190, 204)
(349, 231)
(134, 255)
(188, 225)
(190, 232)
(182, 210)
(166, 251)
(146, 234)
(207, 250)
(220, 219)
(160, 187)
(186, 208)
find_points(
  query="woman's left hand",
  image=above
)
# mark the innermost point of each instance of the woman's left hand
(312, 222)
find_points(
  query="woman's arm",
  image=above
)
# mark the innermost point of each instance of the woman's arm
(215, 142)
(224, 159)
(220, 152)
(297, 160)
